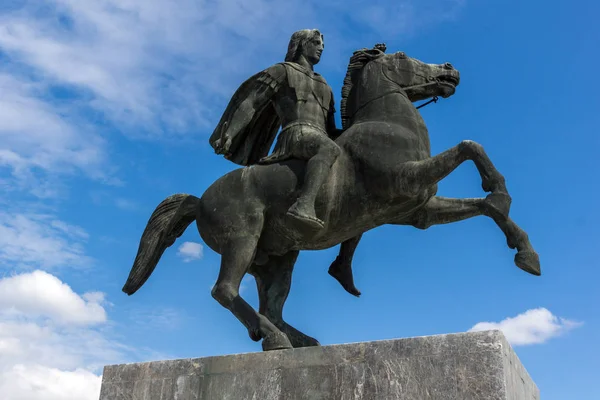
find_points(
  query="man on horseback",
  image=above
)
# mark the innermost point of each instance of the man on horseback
(292, 96)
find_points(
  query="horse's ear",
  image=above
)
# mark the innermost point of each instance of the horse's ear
(381, 47)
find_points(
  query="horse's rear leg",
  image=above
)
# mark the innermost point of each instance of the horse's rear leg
(441, 210)
(416, 176)
(274, 280)
(238, 254)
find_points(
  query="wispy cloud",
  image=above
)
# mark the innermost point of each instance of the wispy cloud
(74, 71)
(388, 19)
(163, 318)
(126, 204)
(40, 241)
(534, 326)
(39, 140)
(190, 251)
(103, 198)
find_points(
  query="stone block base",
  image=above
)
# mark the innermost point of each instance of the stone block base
(465, 366)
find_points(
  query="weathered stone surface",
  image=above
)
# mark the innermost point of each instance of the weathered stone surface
(465, 366)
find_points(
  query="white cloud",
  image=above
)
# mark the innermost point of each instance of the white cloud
(534, 326)
(190, 251)
(40, 240)
(49, 348)
(42, 383)
(41, 294)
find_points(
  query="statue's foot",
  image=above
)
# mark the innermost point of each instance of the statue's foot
(305, 217)
(342, 272)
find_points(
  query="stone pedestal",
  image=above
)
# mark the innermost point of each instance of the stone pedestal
(478, 365)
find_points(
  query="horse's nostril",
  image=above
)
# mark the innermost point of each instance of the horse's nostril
(448, 66)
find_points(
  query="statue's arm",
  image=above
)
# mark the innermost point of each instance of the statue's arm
(332, 129)
(268, 83)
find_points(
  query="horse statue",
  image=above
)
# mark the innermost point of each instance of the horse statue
(385, 174)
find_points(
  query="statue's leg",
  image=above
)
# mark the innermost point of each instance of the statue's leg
(441, 210)
(341, 268)
(238, 254)
(273, 281)
(321, 153)
(416, 176)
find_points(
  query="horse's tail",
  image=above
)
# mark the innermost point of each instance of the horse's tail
(170, 219)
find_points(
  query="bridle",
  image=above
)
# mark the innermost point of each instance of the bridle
(402, 91)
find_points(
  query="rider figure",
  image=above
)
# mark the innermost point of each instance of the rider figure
(293, 96)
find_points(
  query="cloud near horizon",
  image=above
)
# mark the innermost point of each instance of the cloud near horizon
(535, 326)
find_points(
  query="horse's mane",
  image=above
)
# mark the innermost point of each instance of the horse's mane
(359, 59)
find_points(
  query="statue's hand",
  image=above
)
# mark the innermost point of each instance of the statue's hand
(223, 144)
(222, 148)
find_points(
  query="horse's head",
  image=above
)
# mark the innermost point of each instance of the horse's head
(372, 74)
(419, 80)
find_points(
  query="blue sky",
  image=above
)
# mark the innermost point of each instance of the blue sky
(106, 108)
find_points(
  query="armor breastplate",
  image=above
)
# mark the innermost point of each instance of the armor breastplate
(311, 89)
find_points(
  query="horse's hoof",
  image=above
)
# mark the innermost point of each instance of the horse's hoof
(254, 335)
(311, 342)
(528, 261)
(498, 205)
(276, 341)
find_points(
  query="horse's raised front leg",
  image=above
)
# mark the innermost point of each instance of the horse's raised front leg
(441, 210)
(238, 254)
(415, 177)
(274, 280)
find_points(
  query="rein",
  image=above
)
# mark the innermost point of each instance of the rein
(402, 91)
(433, 100)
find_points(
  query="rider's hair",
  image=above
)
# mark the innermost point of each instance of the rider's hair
(298, 40)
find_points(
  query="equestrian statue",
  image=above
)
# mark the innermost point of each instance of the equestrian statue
(322, 186)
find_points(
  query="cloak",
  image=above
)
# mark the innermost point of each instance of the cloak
(252, 141)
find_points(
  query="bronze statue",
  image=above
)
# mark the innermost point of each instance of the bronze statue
(292, 96)
(382, 173)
